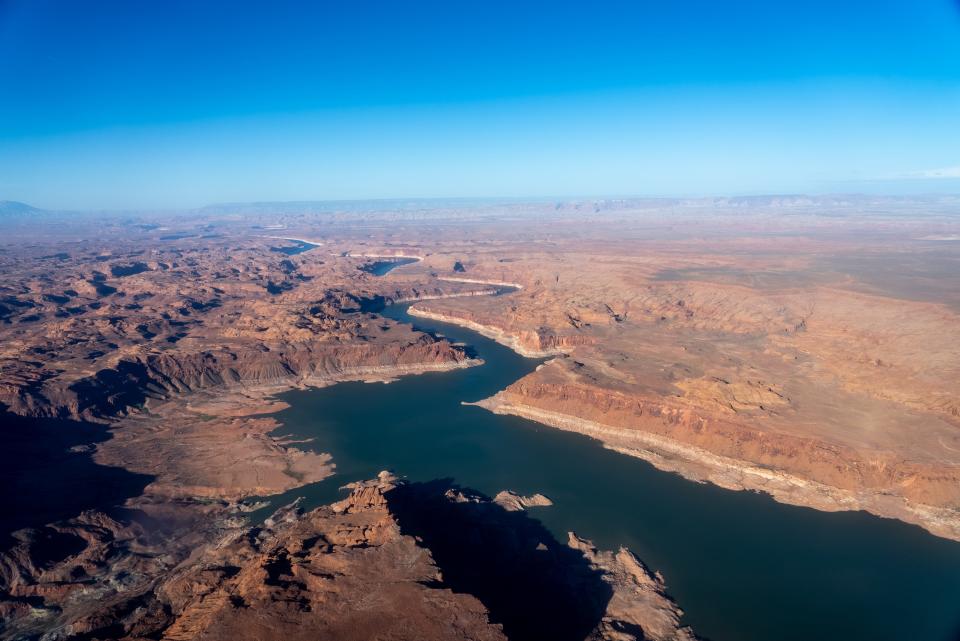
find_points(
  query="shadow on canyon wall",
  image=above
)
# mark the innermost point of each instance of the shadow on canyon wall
(47, 474)
(535, 586)
(111, 391)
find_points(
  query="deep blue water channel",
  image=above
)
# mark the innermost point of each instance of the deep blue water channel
(743, 567)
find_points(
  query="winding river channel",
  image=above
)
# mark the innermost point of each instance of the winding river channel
(743, 567)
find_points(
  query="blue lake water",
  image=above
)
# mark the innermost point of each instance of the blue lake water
(381, 267)
(743, 567)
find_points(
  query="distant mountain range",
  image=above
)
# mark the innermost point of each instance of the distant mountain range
(9, 208)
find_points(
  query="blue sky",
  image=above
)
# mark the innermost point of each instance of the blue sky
(176, 104)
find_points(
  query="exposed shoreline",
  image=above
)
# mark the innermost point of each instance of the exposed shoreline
(699, 465)
(415, 299)
(315, 243)
(477, 281)
(210, 461)
(387, 256)
(385, 373)
(493, 333)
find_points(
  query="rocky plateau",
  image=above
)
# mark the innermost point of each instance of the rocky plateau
(806, 348)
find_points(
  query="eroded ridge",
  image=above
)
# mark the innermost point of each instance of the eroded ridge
(389, 560)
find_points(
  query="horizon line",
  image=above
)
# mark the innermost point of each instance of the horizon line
(493, 199)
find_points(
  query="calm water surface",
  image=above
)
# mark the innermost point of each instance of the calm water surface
(298, 247)
(743, 567)
(381, 267)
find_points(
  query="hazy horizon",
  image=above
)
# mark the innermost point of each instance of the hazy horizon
(467, 201)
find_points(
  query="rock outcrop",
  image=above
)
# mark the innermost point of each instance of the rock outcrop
(351, 570)
(513, 502)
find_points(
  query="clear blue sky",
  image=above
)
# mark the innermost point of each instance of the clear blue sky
(181, 103)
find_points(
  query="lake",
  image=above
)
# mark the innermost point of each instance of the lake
(743, 567)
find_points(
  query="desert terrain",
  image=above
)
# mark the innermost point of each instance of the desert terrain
(807, 348)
